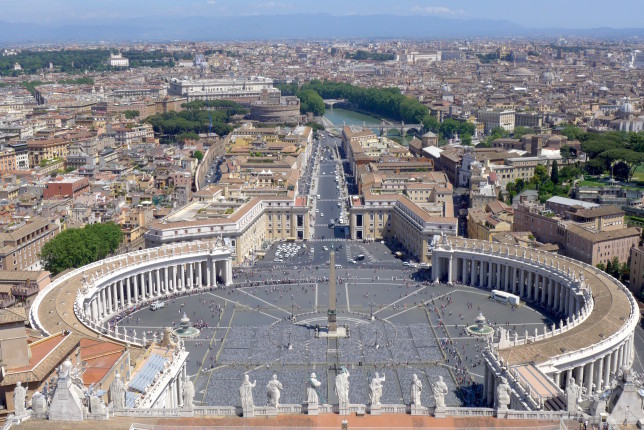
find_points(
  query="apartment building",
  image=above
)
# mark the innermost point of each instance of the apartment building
(66, 186)
(393, 216)
(484, 223)
(598, 238)
(248, 227)
(497, 118)
(47, 149)
(7, 160)
(21, 243)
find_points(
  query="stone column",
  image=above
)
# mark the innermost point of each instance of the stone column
(599, 374)
(613, 361)
(508, 269)
(108, 301)
(182, 277)
(150, 283)
(166, 286)
(606, 361)
(590, 367)
(158, 280)
(522, 284)
(127, 290)
(191, 275)
(580, 376)
(450, 269)
(489, 275)
(213, 270)
(229, 272)
(92, 306)
(116, 292)
(208, 273)
(481, 278)
(464, 271)
(135, 279)
(498, 276)
(101, 302)
(199, 275)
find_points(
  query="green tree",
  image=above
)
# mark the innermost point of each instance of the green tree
(310, 101)
(567, 153)
(554, 173)
(519, 132)
(198, 155)
(601, 266)
(131, 114)
(77, 247)
(466, 139)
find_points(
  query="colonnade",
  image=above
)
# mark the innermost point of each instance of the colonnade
(546, 287)
(154, 282)
(541, 281)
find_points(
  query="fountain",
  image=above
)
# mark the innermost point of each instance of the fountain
(185, 329)
(480, 328)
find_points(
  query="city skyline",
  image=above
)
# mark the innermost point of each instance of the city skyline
(545, 14)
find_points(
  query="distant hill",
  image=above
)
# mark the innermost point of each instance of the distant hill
(272, 27)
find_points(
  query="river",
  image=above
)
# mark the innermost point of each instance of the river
(339, 117)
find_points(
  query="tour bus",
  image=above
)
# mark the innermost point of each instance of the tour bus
(157, 305)
(505, 297)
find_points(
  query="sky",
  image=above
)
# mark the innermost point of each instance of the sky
(528, 13)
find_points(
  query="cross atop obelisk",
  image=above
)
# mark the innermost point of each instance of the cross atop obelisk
(333, 324)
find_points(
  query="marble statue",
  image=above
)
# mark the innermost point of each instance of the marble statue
(439, 390)
(416, 390)
(375, 389)
(342, 387)
(117, 392)
(273, 391)
(572, 395)
(189, 394)
(312, 390)
(502, 394)
(246, 394)
(19, 397)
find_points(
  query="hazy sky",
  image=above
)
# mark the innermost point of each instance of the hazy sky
(529, 13)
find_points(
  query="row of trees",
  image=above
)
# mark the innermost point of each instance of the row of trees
(77, 247)
(79, 60)
(557, 183)
(615, 269)
(373, 56)
(310, 101)
(617, 152)
(194, 120)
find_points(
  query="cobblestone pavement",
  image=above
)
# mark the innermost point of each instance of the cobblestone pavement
(416, 328)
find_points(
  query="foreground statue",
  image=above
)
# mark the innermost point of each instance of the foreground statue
(439, 390)
(273, 391)
(573, 392)
(246, 394)
(375, 389)
(342, 390)
(19, 400)
(117, 392)
(416, 390)
(188, 394)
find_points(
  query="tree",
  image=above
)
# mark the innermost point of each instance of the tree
(567, 152)
(131, 114)
(554, 173)
(466, 139)
(76, 247)
(601, 266)
(310, 101)
(519, 132)
(198, 155)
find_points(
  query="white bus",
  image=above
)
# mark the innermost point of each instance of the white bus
(504, 297)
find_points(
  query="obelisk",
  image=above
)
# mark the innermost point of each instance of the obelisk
(333, 324)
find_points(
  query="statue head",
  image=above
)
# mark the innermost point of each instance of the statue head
(440, 379)
(503, 380)
(274, 377)
(313, 376)
(246, 378)
(414, 377)
(377, 376)
(18, 384)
